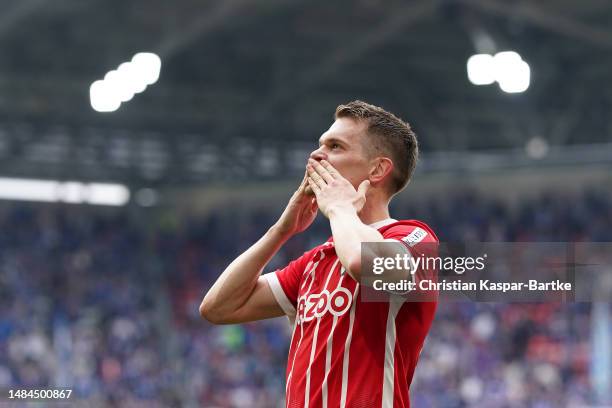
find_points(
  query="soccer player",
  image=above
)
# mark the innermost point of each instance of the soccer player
(344, 352)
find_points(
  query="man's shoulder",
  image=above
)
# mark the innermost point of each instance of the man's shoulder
(315, 252)
(408, 226)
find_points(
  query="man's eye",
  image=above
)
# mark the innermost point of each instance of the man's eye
(335, 145)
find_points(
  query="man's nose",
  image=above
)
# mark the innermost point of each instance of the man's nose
(318, 155)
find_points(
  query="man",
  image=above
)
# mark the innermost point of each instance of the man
(345, 351)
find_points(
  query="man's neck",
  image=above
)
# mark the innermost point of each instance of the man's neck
(373, 213)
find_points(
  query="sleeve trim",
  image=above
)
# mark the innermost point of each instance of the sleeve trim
(279, 294)
(404, 244)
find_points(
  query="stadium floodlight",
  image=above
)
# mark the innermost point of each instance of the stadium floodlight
(148, 66)
(122, 84)
(102, 97)
(507, 68)
(107, 194)
(135, 82)
(119, 85)
(517, 80)
(505, 59)
(28, 189)
(511, 72)
(480, 69)
(537, 148)
(73, 192)
(70, 192)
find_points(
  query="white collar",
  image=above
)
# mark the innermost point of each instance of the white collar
(382, 223)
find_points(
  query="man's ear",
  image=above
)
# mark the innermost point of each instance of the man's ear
(381, 168)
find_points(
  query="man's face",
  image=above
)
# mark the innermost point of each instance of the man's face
(341, 145)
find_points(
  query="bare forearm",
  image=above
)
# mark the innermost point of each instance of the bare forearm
(238, 280)
(349, 232)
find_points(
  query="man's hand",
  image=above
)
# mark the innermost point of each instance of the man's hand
(300, 211)
(333, 191)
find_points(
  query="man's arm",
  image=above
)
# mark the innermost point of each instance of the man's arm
(349, 232)
(241, 294)
(340, 203)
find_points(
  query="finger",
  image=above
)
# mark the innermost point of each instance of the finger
(304, 188)
(322, 171)
(330, 169)
(314, 176)
(315, 188)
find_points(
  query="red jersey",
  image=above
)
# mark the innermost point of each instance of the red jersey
(346, 352)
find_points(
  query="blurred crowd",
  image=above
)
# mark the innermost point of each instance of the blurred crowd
(105, 302)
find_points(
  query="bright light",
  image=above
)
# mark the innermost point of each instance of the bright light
(28, 189)
(102, 98)
(119, 85)
(480, 69)
(122, 84)
(148, 66)
(516, 80)
(506, 58)
(130, 73)
(537, 148)
(507, 68)
(70, 192)
(73, 192)
(107, 194)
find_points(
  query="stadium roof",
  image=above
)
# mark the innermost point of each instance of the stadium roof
(246, 82)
